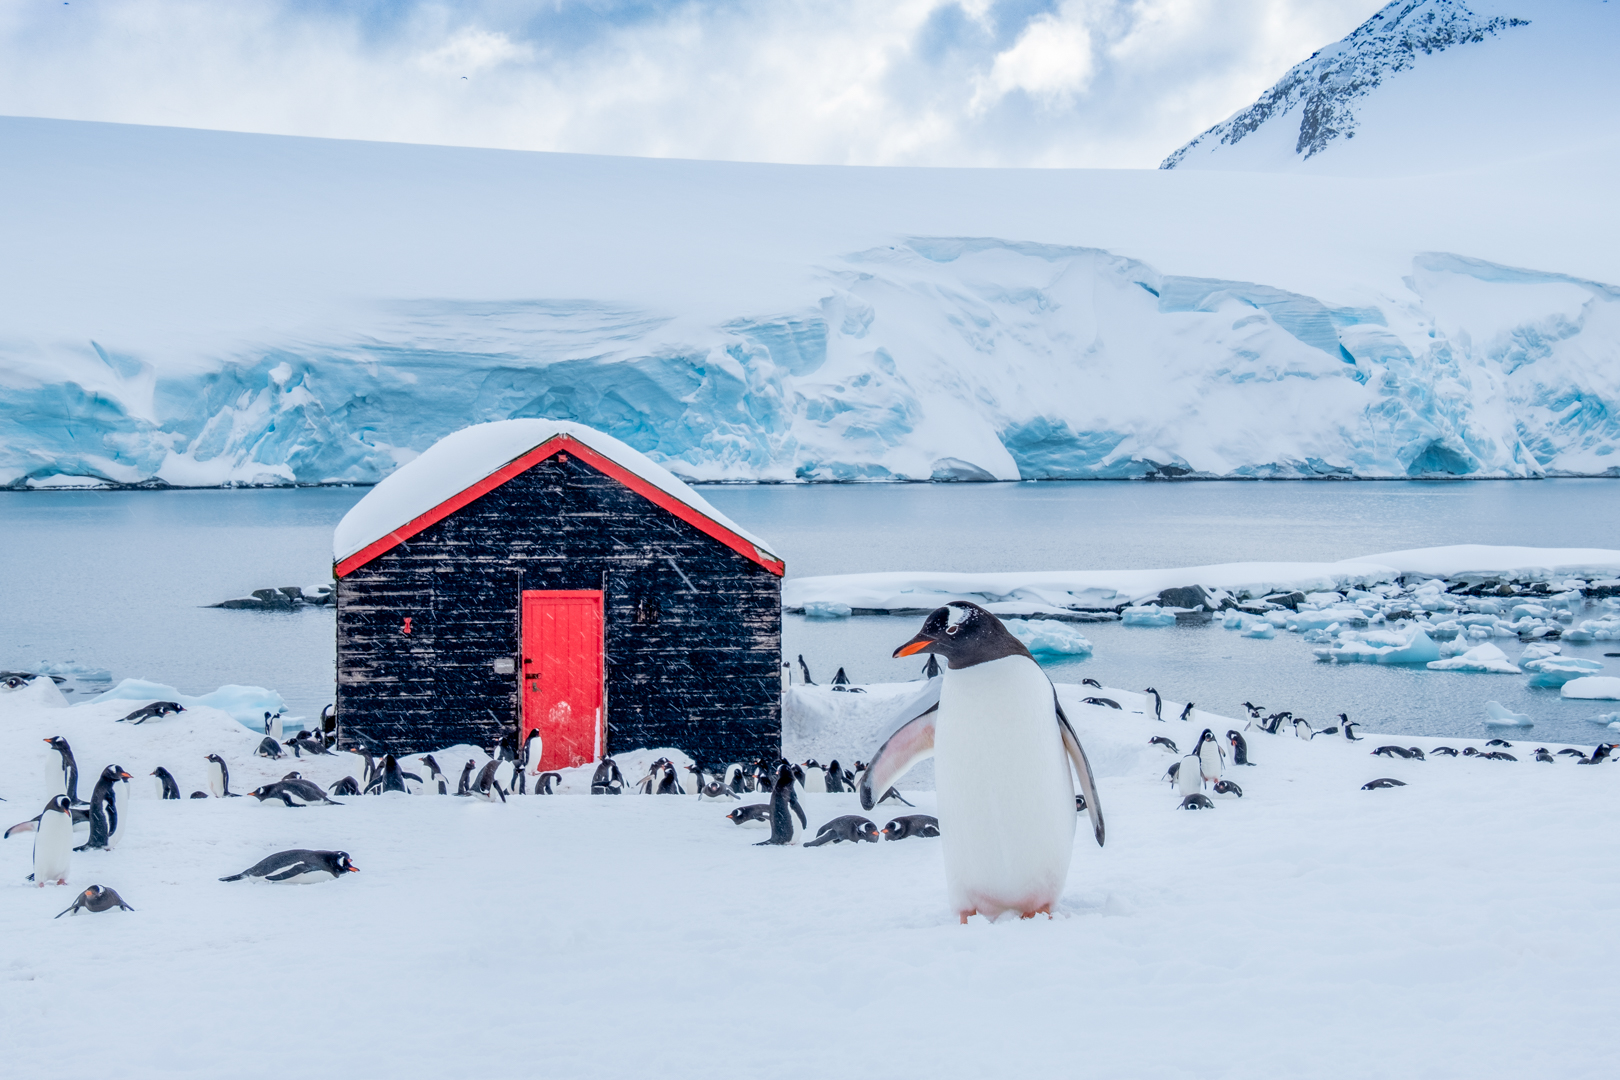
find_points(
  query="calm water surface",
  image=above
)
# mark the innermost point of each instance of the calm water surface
(122, 580)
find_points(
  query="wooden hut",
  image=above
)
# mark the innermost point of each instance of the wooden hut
(540, 575)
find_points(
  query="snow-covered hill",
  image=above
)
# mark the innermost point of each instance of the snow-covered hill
(1432, 86)
(200, 308)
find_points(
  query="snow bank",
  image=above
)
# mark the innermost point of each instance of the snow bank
(463, 458)
(247, 704)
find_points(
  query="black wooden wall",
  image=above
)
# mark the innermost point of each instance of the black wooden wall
(693, 629)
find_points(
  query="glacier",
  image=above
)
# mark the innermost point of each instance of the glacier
(296, 311)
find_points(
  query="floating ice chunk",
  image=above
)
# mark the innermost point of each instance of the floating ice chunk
(1383, 647)
(83, 672)
(1579, 637)
(1540, 651)
(1323, 599)
(826, 609)
(1233, 620)
(1326, 617)
(1593, 688)
(1558, 670)
(247, 704)
(1609, 719)
(1049, 637)
(1147, 615)
(1497, 715)
(1279, 619)
(1259, 629)
(1482, 658)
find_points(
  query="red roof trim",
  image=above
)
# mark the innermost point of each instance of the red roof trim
(552, 446)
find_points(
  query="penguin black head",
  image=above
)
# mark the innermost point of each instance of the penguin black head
(57, 742)
(113, 772)
(60, 804)
(784, 777)
(1207, 736)
(964, 634)
(344, 866)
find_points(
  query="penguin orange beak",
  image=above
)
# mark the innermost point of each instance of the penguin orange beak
(353, 869)
(916, 645)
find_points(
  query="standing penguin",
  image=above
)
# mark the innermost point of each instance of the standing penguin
(104, 810)
(1189, 775)
(1158, 703)
(166, 786)
(815, 777)
(53, 843)
(436, 782)
(219, 777)
(70, 769)
(804, 671)
(533, 747)
(607, 779)
(1345, 724)
(1210, 756)
(787, 816)
(1002, 750)
(1186, 713)
(1240, 748)
(464, 785)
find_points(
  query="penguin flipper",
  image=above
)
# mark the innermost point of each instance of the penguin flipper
(910, 743)
(22, 827)
(793, 804)
(1077, 756)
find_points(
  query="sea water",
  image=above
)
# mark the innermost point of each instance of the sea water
(120, 581)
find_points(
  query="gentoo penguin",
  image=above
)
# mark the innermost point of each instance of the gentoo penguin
(804, 671)
(1240, 748)
(922, 826)
(299, 867)
(1254, 710)
(736, 778)
(271, 749)
(834, 778)
(155, 711)
(464, 785)
(1566, 750)
(1303, 729)
(1345, 724)
(701, 778)
(534, 747)
(667, 783)
(346, 786)
(851, 827)
(715, 791)
(70, 768)
(815, 777)
(1002, 750)
(548, 783)
(755, 815)
(841, 682)
(1190, 775)
(486, 786)
(104, 809)
(219, 777)
(1496, 755)
(96, 899)
(1196, 802)
(436, 783)
(53, 843)
(1168, 745)
(1105, 702)
(1382, 782)
(1397, 751)
(1543, 755)
(1186, 713)
(1498, 742)
(1468, 751)
(200, 795)
(1271, 723)
(274, 726)
(305, 743)
(931, 669)
(1158, 703)
(1210, 756)
(1083, 682)
(607, 779)
(391, 777)
(1446, 751)
(293, 793)
(1228, 789)
(166, 786)
(787, 816)
(1599, 755)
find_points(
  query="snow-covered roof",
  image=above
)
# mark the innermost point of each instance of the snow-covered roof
(427, 489)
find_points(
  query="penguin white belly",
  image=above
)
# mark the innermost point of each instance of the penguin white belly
(1209, 761)
(53, 848)
(216, 780)
(1189, 776)
(815, 781)
(1004, 793)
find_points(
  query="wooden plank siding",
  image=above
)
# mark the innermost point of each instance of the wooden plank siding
(693, 629)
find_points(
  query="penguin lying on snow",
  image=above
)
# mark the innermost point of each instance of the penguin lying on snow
(1196, 802)
(1499, 742)
(1105, 702)
(756, 815)
(1543, 755)
(1382, 782)
(1002, 750)
(346, 786)
(1444, 751)
(851, 827)
(299, 866)
(96, 898)
(155, 711)
(269, 748)
(924, 826)
(1228, 789)
(296, 792)
(1398, 751)
(1169, 745)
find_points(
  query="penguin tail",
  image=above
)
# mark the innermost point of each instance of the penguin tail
(235, 877)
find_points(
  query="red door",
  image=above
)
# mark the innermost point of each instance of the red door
(562, 675)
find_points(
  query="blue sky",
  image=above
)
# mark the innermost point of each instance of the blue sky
(1112, 83)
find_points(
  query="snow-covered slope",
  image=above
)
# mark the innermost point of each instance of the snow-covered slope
(1432, 86)
(199, 308)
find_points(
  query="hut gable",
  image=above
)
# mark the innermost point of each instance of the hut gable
(433, 579)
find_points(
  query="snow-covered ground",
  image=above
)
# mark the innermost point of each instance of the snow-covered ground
(1455, 926)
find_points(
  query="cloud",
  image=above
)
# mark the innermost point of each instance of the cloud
(913, 82)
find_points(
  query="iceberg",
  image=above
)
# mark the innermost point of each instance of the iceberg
(827, 609)
(1383, 647)
(247, 704)
(1593, 688)
(1148, 615)
(1558, 670)
(1260, 628)
(1482, 658)
(1049, 637)
(1497, 715)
